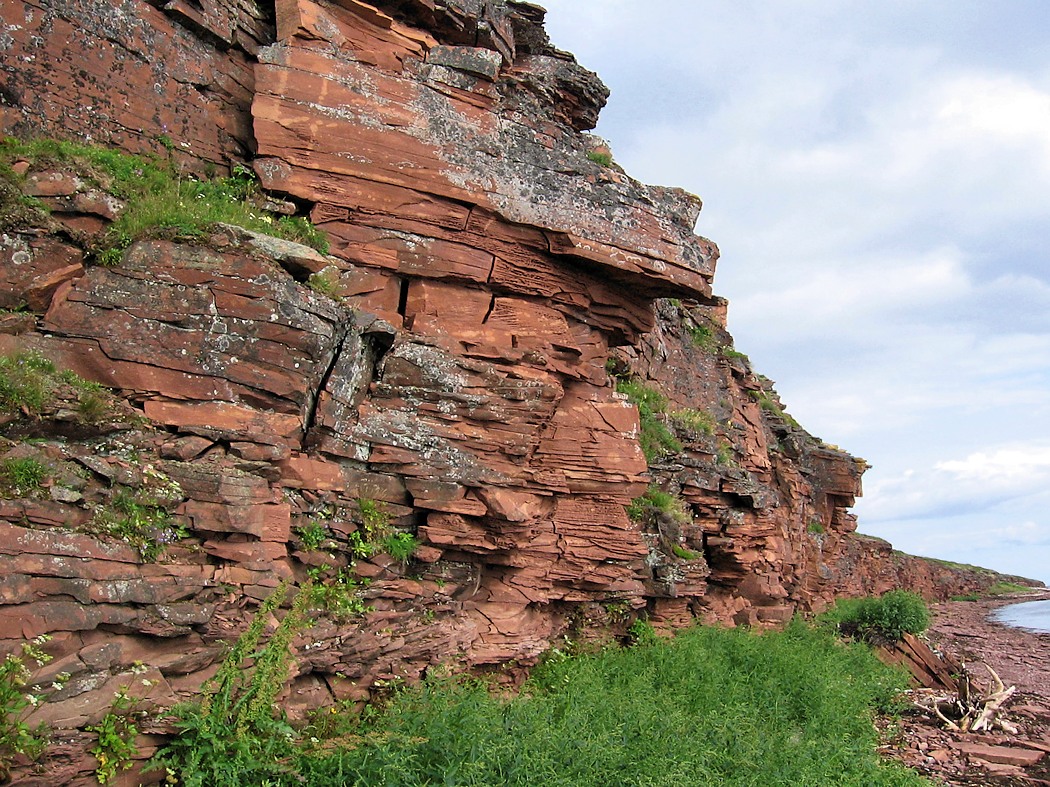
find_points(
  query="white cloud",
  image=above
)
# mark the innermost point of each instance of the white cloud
(878, 179)
(1006, 466)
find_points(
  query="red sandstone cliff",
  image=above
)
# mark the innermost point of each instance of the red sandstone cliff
(494, 281)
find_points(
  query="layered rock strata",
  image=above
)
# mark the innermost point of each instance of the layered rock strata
(493, 285)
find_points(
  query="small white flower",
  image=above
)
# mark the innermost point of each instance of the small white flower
(33, 700)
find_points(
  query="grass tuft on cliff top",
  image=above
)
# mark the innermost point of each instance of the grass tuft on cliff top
(158, 198)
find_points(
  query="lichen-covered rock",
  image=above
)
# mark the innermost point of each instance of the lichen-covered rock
(460, 417)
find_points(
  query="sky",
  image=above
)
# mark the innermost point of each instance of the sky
(877, 177)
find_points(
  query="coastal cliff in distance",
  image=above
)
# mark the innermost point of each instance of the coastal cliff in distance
(501, 410)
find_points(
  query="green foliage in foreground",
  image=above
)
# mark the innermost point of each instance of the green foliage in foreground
(711, 707)
(885, 618)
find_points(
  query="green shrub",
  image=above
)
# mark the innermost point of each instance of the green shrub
(815, 526)
(655, 438)
(881, 619)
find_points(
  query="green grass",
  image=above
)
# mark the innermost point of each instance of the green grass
(1007, 588)
(696, 421)
(702, 337)
(770, 405)
(656, 501)
(22, 476)
(160, 199)
(30, 383)
(655, 438)
(712, 707)
(601, 158)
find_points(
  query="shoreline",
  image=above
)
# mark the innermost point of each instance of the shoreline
(1021, 658)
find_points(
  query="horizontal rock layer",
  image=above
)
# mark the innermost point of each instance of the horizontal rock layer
(492, 284)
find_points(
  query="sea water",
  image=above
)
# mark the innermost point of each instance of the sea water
(1029, 615)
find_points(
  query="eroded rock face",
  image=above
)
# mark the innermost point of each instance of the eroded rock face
(492, 285)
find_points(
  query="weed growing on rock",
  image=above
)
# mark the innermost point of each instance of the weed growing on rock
(30, 384)
(16, 736)
(140, 516)
(24, 382)
(724, 454)
(234, 735)
(301, 230)
(655, 501)
(656, 439)
(701, 337)
(336, 592)
(815, 527)
(312, 535)
(600, 157)
(770, 405)
(685, 554)
(400, 546)
(734, 355)
(17, 210)
(115, 746)
(642, 633)
(325, 283)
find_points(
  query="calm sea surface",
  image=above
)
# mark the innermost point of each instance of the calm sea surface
(1031, 615)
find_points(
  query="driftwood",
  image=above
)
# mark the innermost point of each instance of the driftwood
(948, 690)
(970, 709)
